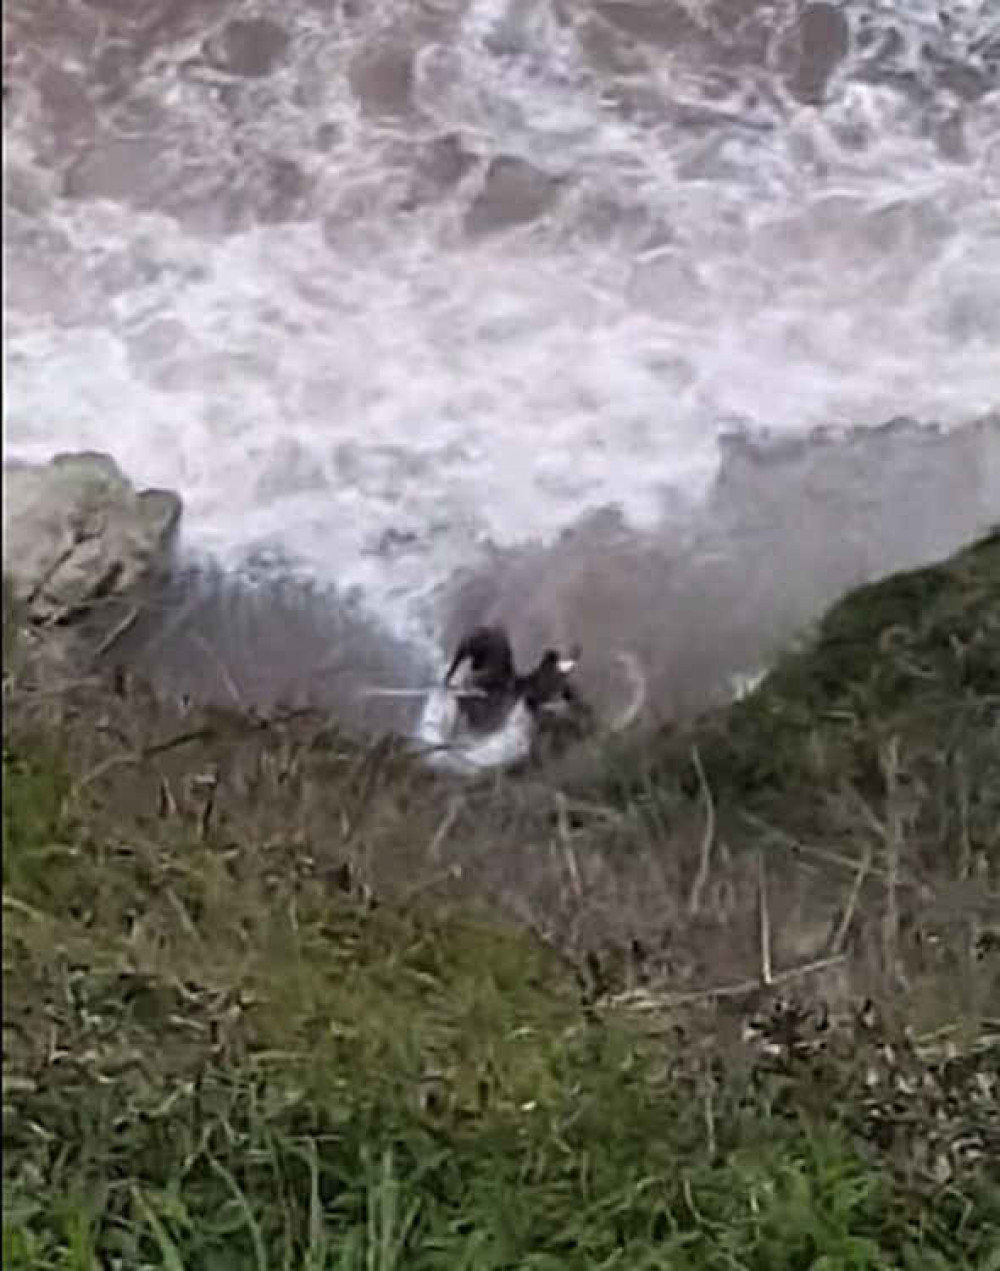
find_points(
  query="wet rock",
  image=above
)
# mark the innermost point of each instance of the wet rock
(327, 137)
(444, 161)
(607, 49)
(440, 166)
(382, 81)
(279, 191)
(66, 106)
(116, 67)
(76, 531)
(49, 24)
(124, 169)
(514, 193)
(663, 25)
(248, 47)
(145, 173)
(949, 135)
(822, 43)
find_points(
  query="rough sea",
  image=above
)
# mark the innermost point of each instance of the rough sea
(640, 323)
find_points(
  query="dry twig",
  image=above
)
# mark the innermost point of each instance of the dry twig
(565, 839)
(822, 853)
(138, 756)
(852, 901)
(116, 633)
(708, 838)
(210, 782)
(893, 845)
(645, 1000)
(445, 828)
(227, 679)
(765, 922)
(709, 1107)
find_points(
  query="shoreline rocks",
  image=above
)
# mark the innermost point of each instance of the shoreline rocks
(76, 531)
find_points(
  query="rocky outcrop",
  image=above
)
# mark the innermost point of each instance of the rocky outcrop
(514, 193)
(75, 531)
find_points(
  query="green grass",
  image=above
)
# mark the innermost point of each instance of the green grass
(287, 1028)
(914, 655)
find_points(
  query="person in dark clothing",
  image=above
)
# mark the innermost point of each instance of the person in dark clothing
(560, 711)
(546, 691)
(547, 683)
(489, 652)
(492, 677)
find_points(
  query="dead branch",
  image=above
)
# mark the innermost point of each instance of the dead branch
(19, 906)
(451, 874)
(171, 743)
(116, 633)
(893, 847)
(227, 679)
(645, 1000)
(444, 829)
(837, 944)
(565, 838)
(819, 853)
(865, 808)
(709, 1107)
(184, 917)
(708, 838)
(765, 922)
(167, 804)
(127, 758)
(210, 781)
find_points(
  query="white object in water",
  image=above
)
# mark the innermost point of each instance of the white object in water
(450, 746)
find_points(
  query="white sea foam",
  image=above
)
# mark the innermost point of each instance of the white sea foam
(333, 370)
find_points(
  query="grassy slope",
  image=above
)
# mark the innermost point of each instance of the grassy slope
(285, 1017)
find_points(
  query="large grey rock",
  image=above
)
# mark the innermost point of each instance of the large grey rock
(75, 530)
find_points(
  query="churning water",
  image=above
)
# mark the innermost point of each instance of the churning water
(380, 286)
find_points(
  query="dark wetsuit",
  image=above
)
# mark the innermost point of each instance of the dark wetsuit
(488, 651)
(547, 691)
(552, 699)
